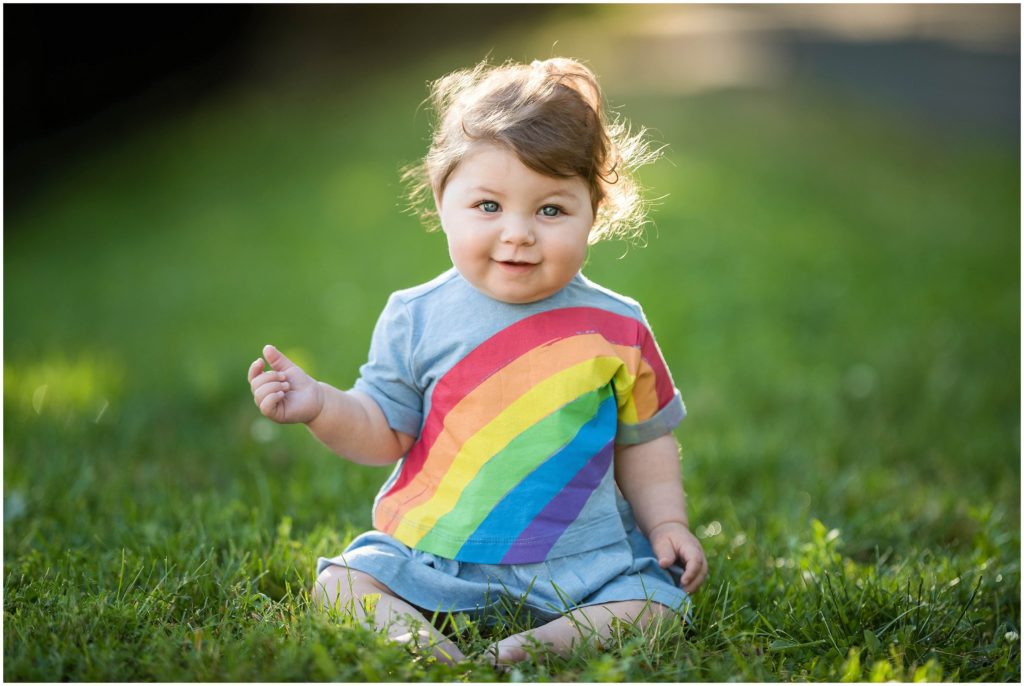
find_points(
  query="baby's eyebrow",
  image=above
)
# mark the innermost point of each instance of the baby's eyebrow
(485, 190)
(560, 194)
(557, 193)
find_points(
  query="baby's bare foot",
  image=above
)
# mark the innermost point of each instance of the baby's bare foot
(507, 652)
(445, 652)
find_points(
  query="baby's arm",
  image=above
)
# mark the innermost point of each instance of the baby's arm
(348, 422)
(648, 476)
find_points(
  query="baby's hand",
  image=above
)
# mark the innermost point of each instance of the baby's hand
(674, 541)
(285, 394)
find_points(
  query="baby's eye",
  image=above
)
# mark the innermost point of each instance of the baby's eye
(488, 206)
(551, 210)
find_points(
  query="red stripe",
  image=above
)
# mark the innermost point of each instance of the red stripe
(508, 344)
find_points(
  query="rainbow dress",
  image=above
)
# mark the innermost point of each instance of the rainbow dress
(516, 410)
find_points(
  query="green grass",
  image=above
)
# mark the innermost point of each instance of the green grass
(835, 288)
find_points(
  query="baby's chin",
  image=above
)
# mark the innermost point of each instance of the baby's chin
(514, 294)
(512, 299)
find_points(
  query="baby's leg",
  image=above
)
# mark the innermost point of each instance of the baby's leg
(404, 623)
(582, 624)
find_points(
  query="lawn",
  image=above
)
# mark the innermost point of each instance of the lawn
(836, 288)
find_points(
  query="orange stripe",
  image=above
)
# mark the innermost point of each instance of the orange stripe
(645, 392)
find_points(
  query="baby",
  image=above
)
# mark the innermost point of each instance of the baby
(529, 410)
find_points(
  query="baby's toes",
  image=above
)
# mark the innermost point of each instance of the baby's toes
(506, 653)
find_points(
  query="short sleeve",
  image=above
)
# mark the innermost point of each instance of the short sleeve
(654, 406)
(387, 375)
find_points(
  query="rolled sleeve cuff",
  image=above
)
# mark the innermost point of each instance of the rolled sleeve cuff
(663, 422)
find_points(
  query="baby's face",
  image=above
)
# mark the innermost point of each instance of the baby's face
(516, 235)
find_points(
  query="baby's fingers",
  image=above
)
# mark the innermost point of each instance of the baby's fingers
(696, 566)
(270, 404)
(269, 389)
(261, 380)
(254, 369)
(664, 551)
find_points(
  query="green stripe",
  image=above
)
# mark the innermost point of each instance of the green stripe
(506, 469)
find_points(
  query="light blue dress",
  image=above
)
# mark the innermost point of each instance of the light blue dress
(509, 490)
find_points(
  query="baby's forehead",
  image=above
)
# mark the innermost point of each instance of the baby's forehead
(494, 168)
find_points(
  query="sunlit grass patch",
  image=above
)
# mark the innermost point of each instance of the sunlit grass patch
(62, 386)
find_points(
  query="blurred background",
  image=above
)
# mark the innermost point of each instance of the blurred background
(78, 78)
(832, 270)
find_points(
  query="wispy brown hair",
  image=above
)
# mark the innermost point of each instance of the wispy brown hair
(551, 114)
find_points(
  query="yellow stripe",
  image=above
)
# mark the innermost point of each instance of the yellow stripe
(545, 398)
(624, 383)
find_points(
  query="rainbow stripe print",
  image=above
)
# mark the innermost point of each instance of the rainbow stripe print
(520, 433)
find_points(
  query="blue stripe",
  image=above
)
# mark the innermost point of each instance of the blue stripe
(510, 517)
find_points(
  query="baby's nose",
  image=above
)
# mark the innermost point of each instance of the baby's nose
(517, 230)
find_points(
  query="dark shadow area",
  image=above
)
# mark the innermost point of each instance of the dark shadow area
(78, 76)
(75, 75)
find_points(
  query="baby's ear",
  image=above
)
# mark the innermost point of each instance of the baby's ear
(437, 208)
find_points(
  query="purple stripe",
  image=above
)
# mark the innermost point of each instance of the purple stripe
(546, 528)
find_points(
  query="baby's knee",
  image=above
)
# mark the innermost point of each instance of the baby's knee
(340, 584)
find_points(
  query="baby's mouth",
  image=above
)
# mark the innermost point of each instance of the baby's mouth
(516, 267)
